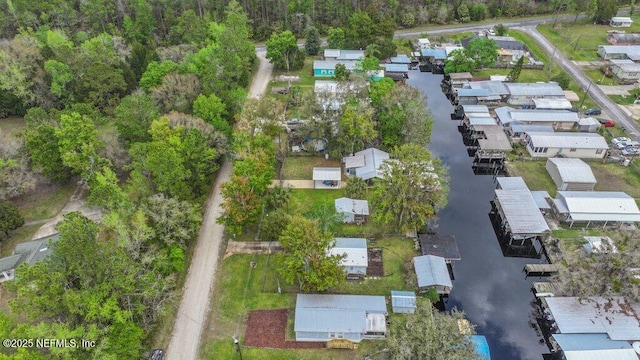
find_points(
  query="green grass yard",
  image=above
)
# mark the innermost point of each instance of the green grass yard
(18, 236)
(45, 201)
(303, 199)
(534, 174)
(301, 167)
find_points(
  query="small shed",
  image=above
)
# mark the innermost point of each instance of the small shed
(403, 302)
(432, 273)
(424, 43)
(621, 21)
(588, 124)
(571, 174)
(352, 210)
(356, 257)
(327, 177)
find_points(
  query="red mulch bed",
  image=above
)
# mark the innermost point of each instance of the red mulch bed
(375, 267)
(267, 329)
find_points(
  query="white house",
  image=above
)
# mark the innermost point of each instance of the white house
(558, 119)
(568, 144)
(327, 177)
(365, 164)
(571, 174)
(322, 318)
(352, 210)
(424, 43)
(625, 70)
(621, 21)
(356, 258)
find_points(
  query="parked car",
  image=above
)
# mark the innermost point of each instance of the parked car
(607, 123)
(620, 139)
(631, 151)
(594, 111)
(627, 145)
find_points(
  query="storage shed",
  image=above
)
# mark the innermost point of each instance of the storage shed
(356, 257)
(432, 273)
(352, 210)
(403, 302)
(571, 174)
(321, 318)
(589, 124)
(327, 177)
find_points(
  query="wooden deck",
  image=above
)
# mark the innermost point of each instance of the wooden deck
(540, 269)
(544, 288)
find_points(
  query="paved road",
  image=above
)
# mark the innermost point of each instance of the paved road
(608, 106)
(198, 287)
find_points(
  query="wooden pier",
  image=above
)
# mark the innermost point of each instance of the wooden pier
(540, 269)
(544, 288)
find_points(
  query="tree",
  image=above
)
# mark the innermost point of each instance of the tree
(305, 259)
(356, 188)
(43, 149)
(155, 72)
(514, 74)
(342, 73)
(278, 197)
(312, 44)
(459, 61)
(412, 189)
(562, 79)
(500, 30)
(483, 51)
(430, 334)
(10, 217)
(325, 214)
(478, 12)
(212, 110)
(605, 11)
(336, 38)
(273, 225)
(463, 13)
(105, 191)
(242, 206)
(177, 92)
(283, 51)
(134, 116)
(356, 127)
(78, 145)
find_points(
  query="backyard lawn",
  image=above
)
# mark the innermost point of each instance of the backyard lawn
(301, 167)
(534, 174)
(303, 199)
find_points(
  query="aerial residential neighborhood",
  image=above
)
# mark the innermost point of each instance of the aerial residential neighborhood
(320, 180)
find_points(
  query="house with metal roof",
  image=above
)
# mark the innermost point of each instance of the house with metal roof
(365, 164)
(552, 104)
(424, 43)
(467, 96)
(511, 183)
(518, 212)
(612, 316)
(559, 119)
(458, 80)
(352, 210)
(322, 318)
(434, 54)
(327, 68)
(571, 174)
(444, 246)
(595, 207)
(355, 259)
(610, 52)
(496, 88)
(625, 70)
(592, 346)
(29, 253)
(338, 54)
(432, 273)
(566, 144)
(621, 21)
(493, 143)
(524, 93)
(403, 302)
(516, 130)
(623, 38)
(588, 124)
(327, 178)
(400, 59)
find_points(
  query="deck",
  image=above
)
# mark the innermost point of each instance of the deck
(540, 269)
(545, 288)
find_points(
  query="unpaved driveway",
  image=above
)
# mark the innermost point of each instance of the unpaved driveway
(198, 287)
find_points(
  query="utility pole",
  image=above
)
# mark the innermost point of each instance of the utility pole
(585, 94)
(237, 343)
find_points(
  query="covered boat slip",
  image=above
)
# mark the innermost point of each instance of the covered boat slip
(596, 207)
(592, 346)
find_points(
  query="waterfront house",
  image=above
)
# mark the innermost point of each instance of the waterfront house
(365, 164)
(327, 68)
(559, 119)
(352, 210)
(327, 178)
(597, 207)
(400, 59)
(524, 93)
(432, 273)
(322, 318)
(571, 174)
(621, 21)
(572, 145)
(403, 302)
(355, 259)
(511, 183)
(625, 70)
(516, 130)
(458, 80)
(29, 253)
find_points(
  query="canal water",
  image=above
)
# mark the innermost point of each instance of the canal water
(490, 288)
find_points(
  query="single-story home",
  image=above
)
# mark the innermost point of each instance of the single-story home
(524, 93)
(625, 70)
(434, 55)
(516, 129)
(623, 38)
(621, 21)
(569, 144)
(403, 302)
(610, 52)
(397, 72)
(552, 104)
(365, 164)
(352, 210)
(593, 346)
(571, 174)
(356, 258)
(29, 253)
(337, 54)
(559, 119)
(327, 178)
(327, 68)
(400, 59)
(600, 207)
(321, 318)
(432, 273)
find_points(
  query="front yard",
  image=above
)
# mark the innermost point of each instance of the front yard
(301, 167)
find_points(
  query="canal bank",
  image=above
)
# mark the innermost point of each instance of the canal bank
(490, 288)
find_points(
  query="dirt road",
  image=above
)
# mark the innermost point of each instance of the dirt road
(198, 287)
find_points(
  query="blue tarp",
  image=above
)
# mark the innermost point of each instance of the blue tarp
(482, 347)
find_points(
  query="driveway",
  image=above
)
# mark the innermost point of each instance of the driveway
(198, 286)
(608, 106)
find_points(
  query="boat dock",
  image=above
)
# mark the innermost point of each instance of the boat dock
(544, 288)
(540, 269)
